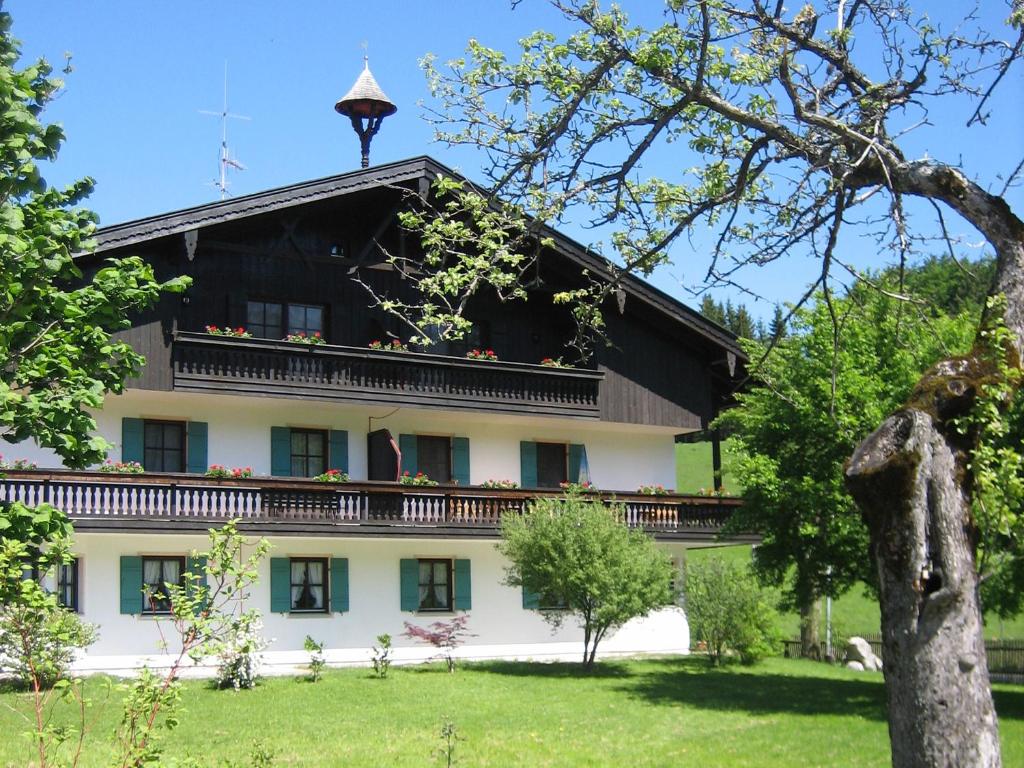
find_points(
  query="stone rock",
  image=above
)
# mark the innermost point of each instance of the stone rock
(858, 650)
(855, 665)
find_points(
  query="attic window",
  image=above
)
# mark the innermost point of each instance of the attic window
(338, 251)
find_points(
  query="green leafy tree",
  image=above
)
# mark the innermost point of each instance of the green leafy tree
(58, 358)
(728, 611)
(57, 354)
(581, 559)
(812, 401)
(784, 131)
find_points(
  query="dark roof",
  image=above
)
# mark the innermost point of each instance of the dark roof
(417, 168)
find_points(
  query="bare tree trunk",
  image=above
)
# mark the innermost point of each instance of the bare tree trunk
(810, 629)
(911, 482)
(907, 483)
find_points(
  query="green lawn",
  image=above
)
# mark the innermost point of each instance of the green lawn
(638, 713)
(855, 613)
(694, 469)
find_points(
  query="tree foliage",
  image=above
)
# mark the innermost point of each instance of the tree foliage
(582, 560)
(728, 611)
(846, 364)
(57, 354)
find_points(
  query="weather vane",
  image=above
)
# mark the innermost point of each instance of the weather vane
(366, 106)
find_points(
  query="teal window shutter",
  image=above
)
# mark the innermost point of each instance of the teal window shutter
(460, 460)
(280, 585)
(131, 584)
(196, 450)
(528, 464)
(132, 440)
(339, 584)
(410, 575)
(407, 447)
(280, 451)
(463, 586)
(579, 471)
(531, 600)
(337, 452)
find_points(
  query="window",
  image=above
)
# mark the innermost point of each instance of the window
(67, 584)
(64, 585)
(275, 319)
(552, 602)
(309, 452)
(157, 573)
(263, 320)
(309, 584)
(551, 465)
(434, 457)
(305, 318)
(164, 446)
(435, 585)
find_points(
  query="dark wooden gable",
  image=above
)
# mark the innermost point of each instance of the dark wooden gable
(658, 369)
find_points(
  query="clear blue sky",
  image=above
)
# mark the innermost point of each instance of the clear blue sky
(143, 70)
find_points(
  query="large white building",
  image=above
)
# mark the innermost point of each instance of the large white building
(351, 561)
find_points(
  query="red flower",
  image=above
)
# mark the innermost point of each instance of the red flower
(240, 329)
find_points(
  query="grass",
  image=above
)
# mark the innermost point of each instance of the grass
(639, 713)
(695, 470)
(856, 612)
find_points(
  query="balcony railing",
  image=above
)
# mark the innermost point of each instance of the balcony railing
(205, 363)
(90, 496)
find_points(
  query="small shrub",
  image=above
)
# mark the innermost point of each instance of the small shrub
(507, 484)
(653, 490)
(317, 661)
(302, 338)
(17, 464)
(575, 489)
(443, 635)
(382, 656)
(418, 479)
(332, 476)
(238, 653)
(449, 739)
(122, 467)
(729, 612)
(235, 333)
(393, 346)
(39, 642)
(236, 473)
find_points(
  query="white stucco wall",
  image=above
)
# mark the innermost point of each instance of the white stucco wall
(621, 456)
(502, 628)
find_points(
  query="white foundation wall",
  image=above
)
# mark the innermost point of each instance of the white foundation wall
(621, 457)
(500, 626)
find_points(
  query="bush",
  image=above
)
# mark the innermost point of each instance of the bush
(317, 661)
(39, 642)
(446, 636)
(382, 656)
(580, 559)
(238, 654)
(729, 612)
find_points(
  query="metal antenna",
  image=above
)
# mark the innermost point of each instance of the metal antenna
(225, 160)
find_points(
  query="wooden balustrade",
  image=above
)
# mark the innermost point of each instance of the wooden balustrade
(205, 363)
(98, 495)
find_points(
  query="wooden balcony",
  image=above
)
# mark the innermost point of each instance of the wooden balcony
(205, 363)
(182, 503)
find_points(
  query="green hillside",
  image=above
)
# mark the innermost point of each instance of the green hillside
(694, 469)
(856, 612)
